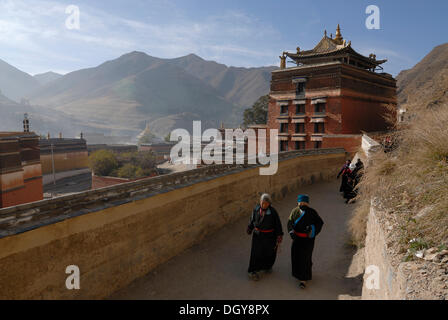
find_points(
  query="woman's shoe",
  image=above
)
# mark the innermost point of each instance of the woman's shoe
(302, 285)
(254, 276)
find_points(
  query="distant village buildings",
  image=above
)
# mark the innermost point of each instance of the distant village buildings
(329, 97)
(116, 148)
(63, 154)
(100, 138)
(160, 150)
(65, 165)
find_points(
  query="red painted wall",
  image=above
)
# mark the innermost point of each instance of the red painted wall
(32, 191)
(350, 144)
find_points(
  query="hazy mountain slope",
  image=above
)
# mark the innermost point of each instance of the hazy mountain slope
(241, 86)
(47, 77)
(135, 88)
(42, 120)
(426, 84)
(90, 82)
(15, 84)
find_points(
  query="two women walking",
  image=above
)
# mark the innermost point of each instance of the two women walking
(304, 224)
(351, 176)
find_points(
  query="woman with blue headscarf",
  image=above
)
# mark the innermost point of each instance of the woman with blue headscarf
(304, 224)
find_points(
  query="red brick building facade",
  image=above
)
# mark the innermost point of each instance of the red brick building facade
(329, 97)
(20, 168)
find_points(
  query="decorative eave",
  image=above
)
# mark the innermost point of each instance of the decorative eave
(329, 49)
(306, 56)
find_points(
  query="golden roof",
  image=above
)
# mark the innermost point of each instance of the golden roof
(328, 46)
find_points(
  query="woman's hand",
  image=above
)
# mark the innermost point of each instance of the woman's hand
(279, 239)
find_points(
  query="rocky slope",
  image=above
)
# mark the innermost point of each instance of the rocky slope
(426, 84)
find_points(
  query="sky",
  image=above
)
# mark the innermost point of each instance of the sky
(38, 36)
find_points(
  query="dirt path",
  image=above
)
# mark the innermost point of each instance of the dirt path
(216, 268)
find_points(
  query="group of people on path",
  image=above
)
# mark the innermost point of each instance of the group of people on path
(304, 224)
(351, 176)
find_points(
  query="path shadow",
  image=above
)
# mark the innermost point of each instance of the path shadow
(217, 267)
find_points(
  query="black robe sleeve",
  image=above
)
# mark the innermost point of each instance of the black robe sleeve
(340, 172)
(251, 226)
(290, 226)
(317, 224)
(278, 224)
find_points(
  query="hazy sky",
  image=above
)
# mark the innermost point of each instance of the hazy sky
(34, 36)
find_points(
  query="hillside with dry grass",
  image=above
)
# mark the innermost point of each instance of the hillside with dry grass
(410, 184)
(426, 84)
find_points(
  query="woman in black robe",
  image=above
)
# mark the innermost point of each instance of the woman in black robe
(304, 224)
(350, 191)
(267, 232)
(345, 172)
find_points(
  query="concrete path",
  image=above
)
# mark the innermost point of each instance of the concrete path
(217, 267)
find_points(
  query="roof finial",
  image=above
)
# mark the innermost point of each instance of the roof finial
(283, 61)
(338, 37)
(325, 33)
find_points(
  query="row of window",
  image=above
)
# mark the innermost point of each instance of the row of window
(300, 127)
(300, 108)
(299, 145)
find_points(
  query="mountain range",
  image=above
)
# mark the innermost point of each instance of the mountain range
(121, 96)
(47, 77)
(14, 83)
(426, 84)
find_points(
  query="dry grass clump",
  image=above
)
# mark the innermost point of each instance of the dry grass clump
(411, 183)
(358, 223)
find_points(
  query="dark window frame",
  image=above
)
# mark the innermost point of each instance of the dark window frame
(320, 107)
(300, 88)
(300, 109)
(300, 145)
(298, 126)
(283, 146)
(319, 127)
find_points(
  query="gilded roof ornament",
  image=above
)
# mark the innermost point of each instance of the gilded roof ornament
(338, 37)
(283, 61)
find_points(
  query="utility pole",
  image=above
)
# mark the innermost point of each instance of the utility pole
(52, 165)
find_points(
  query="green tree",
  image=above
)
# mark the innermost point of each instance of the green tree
(258, 113)
(146, 160)
(130, 171)
(103, 162)
(142, 159)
